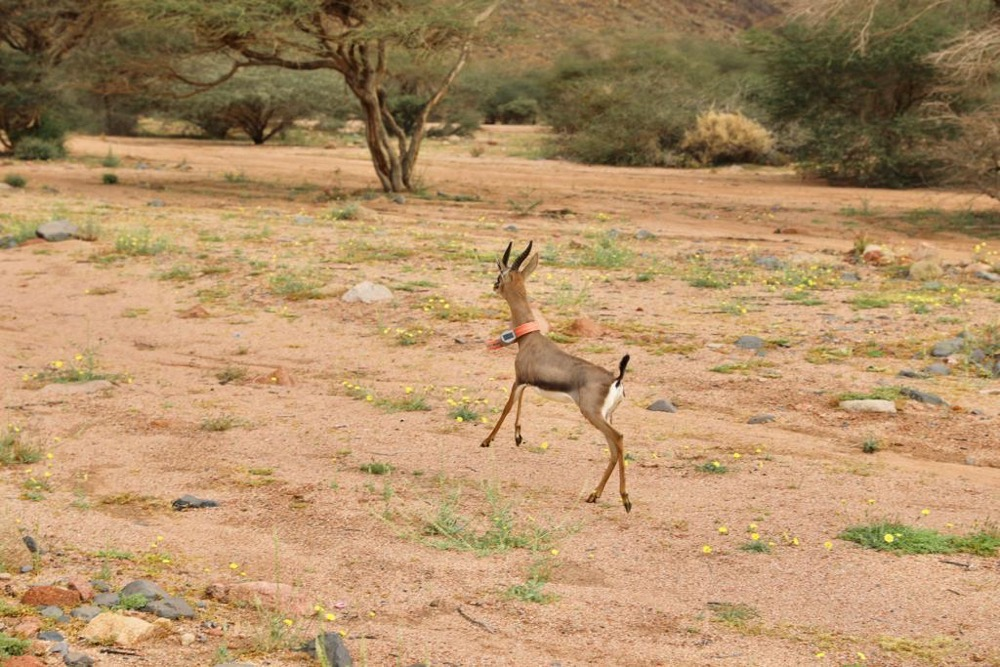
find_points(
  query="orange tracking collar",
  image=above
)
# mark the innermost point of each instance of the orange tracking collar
(511, 335)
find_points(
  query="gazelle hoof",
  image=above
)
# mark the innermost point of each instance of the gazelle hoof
(484, 443)
(627, 503)
(592, 498)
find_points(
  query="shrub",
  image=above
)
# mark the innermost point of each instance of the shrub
(853, 115)
(519, 111)
(15, 180)
(632, 107)
(109, 179)
(727, 138)
(34, 148)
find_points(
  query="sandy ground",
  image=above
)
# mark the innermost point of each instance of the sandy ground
(263, 404)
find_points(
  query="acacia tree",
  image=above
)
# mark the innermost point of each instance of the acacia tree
(36, 38)
(355, 38)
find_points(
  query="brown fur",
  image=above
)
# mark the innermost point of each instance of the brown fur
(542, 364)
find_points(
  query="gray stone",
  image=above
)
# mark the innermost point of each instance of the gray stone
(86, 612)
(769, 262)
(303, 219)
(107, 599)
(761, 419)
(869, 405)
(7, 241)
(77, 659)
(909, 373)
(146, 588)
(57, 230)
(922, 397)
(333, 647)
(938, 369)
(988, 275)
(55, 613)
(750, 343)
(187, 501)
(662, 405)
(156, 203)
(850, 277)
(510, 228)
(170, 608)
(946, 348)
(51, 636)
(367, 292)
(644, 234)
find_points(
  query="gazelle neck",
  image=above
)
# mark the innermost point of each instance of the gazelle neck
(520, 309)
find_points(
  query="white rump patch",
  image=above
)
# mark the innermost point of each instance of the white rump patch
(611, 401)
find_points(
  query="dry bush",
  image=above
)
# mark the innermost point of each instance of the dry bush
(725, 138)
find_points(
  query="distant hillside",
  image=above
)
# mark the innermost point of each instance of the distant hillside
(542, 27)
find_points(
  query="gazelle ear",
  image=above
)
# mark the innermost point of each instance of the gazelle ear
(506, 256)
(529, 266)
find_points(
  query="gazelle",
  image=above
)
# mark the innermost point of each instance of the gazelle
(541, 364)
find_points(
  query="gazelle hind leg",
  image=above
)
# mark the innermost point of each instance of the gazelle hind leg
(616, 455)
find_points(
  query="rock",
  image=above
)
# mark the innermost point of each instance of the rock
(510, 228)
(45, 596)
(662, 405)
(7, 242)
(922, 397)
(878, 255)
(584, 327)
(925, 269)
(334, 650)
(119, 630)
(909, 373)
(279, 377)
(270, 595)
(367, 292)
(988, 275)
(194, 313)
(31, 544)
(769, 262)
(54, 612)
(156, 203)
(29, 627)
(946, 348)
(869, 405)
(188, 638)
(187, 501)
(81, 586)
(145, 588)
(107, 599)
(761, 419)
(86, 613)
(77, 659)
(303, 219)
(644, 235)
(170, 608)
(938, 369)
(750, 343)
(925, 251)
(51, 636)
(75, 388)
(57, 230)
(850, 277)
(976, 267)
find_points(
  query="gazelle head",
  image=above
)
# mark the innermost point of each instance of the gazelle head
(514, 274)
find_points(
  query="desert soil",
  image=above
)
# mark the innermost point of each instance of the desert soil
(228, 386)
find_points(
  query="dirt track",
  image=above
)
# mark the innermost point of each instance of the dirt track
(634, 589)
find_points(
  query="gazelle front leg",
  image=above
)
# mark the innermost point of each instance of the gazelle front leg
(514, 393)
(517, 417)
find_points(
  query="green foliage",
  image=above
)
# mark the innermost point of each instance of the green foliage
(857, 113)
(532, 589)
(12, 646)
(713, 468)
(634, 106)
(376, 468)
(15, 180)
(900, 538)
(14, 448)
(109, 179)
(36, 148)
(502, 532)
(134, 601)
